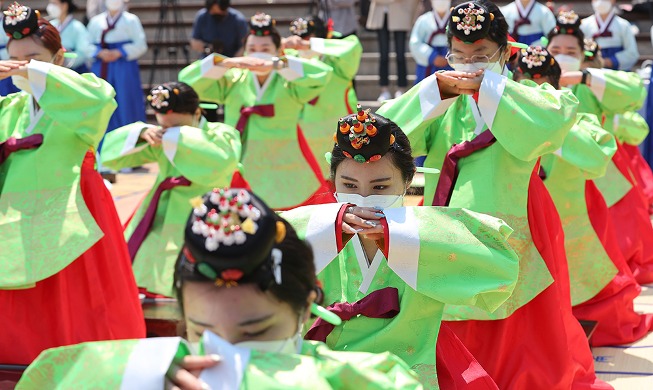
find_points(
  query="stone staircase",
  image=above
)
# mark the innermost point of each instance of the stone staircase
(171, 55)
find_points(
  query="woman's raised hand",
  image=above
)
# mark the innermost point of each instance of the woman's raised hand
(13, 68)
(364, 221)
(453, 83)
(250, 63)
(153, 135)
(184, 375)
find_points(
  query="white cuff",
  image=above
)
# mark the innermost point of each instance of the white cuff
(210, 68)
(132, 139)
(317, 44)
(489, 96)
(597, 85)
(431, 104)
(148, 363)
(170, 141)
(294, 71)
(321, 234)
(37, 73)
(404, 244)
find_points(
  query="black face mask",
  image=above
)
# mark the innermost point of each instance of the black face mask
(219, 17)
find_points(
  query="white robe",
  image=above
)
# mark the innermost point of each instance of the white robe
(622, 36)
(542, 19)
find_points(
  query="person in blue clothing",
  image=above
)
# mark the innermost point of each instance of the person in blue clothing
(218, 28)
(117, 41)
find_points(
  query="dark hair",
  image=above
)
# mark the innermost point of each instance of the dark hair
(187, 101)
(47, 35)
(400, 152)
(222, 4)
(72, 8)
(553, 75)
(498, 32)
(320, 28)
(297, 272)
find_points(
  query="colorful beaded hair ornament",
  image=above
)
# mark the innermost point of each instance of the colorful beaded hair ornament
(567, 22)
(591, 48)
(364, 137)
(301, 27)
(261, 25)
(230, 238)
(535, 62)
(163, 99)
(470, 22)
(21, 21)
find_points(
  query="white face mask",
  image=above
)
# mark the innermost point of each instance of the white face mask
(495, 67)
(114, 5)
(382, 201)
(291, 345)
(601, 7)
(567, 63)
(53, 10)
(441, 6)
(21, 83)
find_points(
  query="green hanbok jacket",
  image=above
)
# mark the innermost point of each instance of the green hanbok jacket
(44, 222)
(433, 256)
(528, 122)
(275, 163)
(207, 157)
(142, 364)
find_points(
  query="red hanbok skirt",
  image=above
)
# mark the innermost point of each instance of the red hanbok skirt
(632, 223)
(94, 298)
(612, 307)
(456, 367)
(642, 173)
(541, 345)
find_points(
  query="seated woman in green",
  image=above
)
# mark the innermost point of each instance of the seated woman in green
(192, 160)
(247, 288)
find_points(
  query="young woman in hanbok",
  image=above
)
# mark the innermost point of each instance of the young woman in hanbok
(603, 287)
(246, 294)
(117, 41)
(74, 36)
(614, 35)
(606, 93)
(428, 40)
(312, 39)
(487, 133)
(264, 96)
(192, 160)
(398, 266)
(66, 274)
(528, 20)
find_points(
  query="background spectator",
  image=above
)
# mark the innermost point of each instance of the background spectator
(428, 40)
(74, 36)
(396, 16)
(218, 28)
(117, 41)
(613, 34)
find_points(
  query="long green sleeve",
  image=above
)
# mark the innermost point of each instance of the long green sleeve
(123, 148)
(588, 147)
(209, 156)
(630, 128)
